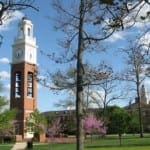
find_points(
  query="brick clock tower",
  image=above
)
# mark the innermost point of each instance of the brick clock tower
(23, 82)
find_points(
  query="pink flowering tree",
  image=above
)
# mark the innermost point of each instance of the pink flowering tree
(55, 128)
(92, 126)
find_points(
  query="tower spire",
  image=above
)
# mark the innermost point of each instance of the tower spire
(143, 95)
(25, 28)
(24, 47)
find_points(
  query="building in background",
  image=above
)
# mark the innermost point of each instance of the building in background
(145, 108)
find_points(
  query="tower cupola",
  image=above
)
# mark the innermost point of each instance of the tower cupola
(143, 95)
(24, 47)
(25, 28)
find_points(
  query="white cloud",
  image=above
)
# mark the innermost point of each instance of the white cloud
(40, 77)
(130, 20)
(147, 82)
(16, 15)
(141, 10)
(116, 36)
(39, 86)
(4, 60)
(4, 74)
(7, 87)
(145, 39)
(96, 98)
(141, 25)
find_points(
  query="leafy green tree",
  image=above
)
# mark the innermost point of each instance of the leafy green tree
(36, 122)
(6, 116)
(134, 123)
(119, 122)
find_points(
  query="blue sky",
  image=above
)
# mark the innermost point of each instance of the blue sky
(47, 39)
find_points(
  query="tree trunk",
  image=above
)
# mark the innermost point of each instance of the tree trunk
(120, 138)
(139, 106)
(140, 116)
(79, 96)
(91, 138)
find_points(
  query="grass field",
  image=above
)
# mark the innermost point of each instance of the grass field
(108, 143)
(72, 147)
(5, 146)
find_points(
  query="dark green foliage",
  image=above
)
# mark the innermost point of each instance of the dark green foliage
(134, 123)
(6, 117)
(119, 122)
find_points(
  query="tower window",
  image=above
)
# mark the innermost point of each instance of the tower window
(18, 84)
(30, 85)
(29, 32)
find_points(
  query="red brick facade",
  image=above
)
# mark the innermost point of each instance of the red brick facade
(23, 104)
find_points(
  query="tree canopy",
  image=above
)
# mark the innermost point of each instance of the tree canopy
(6, 116)
(85, 25)
(119, 121)
(37, 122)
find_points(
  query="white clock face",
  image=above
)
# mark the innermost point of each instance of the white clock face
(18, 53)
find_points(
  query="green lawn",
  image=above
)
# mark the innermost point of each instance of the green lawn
(72, 147)
(109, 143)
(120, 148)
(54, 147)
(5, 146)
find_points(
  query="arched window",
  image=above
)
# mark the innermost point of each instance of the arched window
(18, 84)
(29, 32)
(30, 84)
